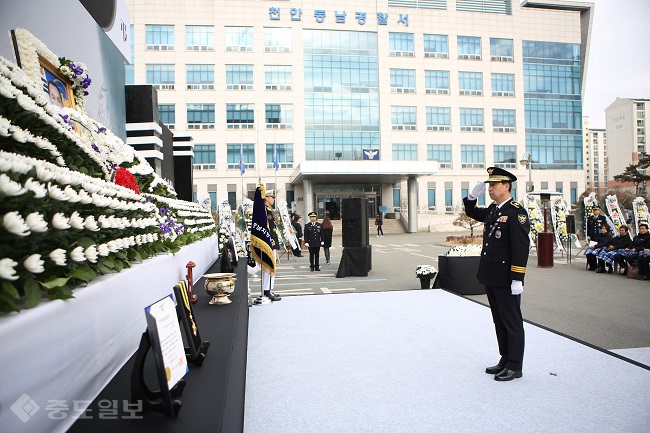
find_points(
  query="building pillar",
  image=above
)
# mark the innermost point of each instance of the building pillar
(412, 205)
(308, 194)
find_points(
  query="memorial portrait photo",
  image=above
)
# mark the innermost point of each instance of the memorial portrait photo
(56, 85)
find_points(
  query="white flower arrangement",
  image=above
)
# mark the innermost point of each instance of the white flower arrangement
(469, 250)
(426, 272)
(285, 228)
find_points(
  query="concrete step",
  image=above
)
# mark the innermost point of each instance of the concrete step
(390, 226)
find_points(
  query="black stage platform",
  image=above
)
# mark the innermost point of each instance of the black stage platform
(213, 399)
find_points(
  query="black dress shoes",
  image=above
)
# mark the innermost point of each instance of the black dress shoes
(495, 369)
(506, 375)
(311, 269)
(318, 269)
(272, 296)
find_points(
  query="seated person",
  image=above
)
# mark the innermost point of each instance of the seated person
(606, 255)
(604, 241)
(643, 261)
(629, 255)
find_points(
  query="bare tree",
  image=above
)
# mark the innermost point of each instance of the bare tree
(464, 221)
(636, 173)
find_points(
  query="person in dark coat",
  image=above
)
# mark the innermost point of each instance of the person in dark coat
(268, 281)
(328, 230)
(502, 266)
(640, 243)
(379, 221)
(297, 227)
(314, 240)
(594, 223)
(619, 243)
(591, 253)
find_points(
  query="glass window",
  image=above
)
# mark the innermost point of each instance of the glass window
(213, 200)
(162, 77)
(469, 47)
(436, 46)
(470, 83)
(404, 118)
(437, 82)
(277, 40)
(501, 50)
(159, 37)
(232, 199)
(396, 199)
(440, 153)
(199, 38)
(402, 80)
(503, 120)
(431, 198)
(501, 7)
(503, 85)
(278, 77)
(200, 76)
(449, 198)
(471, 119)
(472, 155)
(240, 116)
(233, 151)
(204, 156)
(405, 152)
(200, 116)
(505, 156)
(401, 44)
(167, 115)
(438, 118)
(128, 69)
(284, 152)
(239, 77)
(279, 116)
(239, 38)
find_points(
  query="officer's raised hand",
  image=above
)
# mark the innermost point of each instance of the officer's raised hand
(477, 191)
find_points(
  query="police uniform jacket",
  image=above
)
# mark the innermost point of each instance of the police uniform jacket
(314, 234)
(272, 228)
(505, 242)
(593, 226)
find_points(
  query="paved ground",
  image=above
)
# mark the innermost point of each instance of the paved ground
(607, 311)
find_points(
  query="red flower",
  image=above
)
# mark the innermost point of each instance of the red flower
(123, 177)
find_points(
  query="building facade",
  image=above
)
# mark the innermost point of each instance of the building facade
(596, 163)
(404, 102)
(625, 120)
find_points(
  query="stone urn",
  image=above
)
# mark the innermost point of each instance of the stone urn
(220, 286)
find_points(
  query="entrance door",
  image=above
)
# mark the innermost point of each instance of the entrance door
(331, 205)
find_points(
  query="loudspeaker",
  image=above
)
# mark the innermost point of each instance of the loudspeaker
(354, 219)
(571, 224)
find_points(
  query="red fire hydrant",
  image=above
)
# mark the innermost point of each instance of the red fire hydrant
(190, 282)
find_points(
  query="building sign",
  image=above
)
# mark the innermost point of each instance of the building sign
(371, 154)
(339, 17)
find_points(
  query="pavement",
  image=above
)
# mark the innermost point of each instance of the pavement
(607, 311)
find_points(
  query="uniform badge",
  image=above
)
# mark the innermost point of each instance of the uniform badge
(522, 218)
(503, 219)
(497, 234)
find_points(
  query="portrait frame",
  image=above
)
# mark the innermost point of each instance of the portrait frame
(41, 65)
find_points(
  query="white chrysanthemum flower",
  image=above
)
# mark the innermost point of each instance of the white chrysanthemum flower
(43, 173)
(84, 197)
(91, 224)
(19, 135)
(36, 187)
(9, 187)
(8, 270)
(76, 221)
(113, 246)
(103, 250)
(104, 222)
(56, 193)
(14, 223)
(60, 221)
(36, 222)
(34, 264)
(58, 257)
(78, 254)
(71, 194)
(91, 254)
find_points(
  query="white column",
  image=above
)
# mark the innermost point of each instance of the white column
(412, 205)
(308, 193)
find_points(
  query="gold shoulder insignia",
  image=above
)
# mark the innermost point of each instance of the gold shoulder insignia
(515, 204)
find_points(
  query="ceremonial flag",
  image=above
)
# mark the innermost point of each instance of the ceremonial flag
(242, 166)
(261, 241)
(276, 164)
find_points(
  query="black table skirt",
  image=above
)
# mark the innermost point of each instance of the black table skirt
(355, 261)
(458, 275)
(213, 399)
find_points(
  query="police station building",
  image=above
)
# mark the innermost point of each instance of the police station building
(405, 102)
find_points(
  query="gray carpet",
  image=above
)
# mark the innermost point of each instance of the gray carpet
(413, 361)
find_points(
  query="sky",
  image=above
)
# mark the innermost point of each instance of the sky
(619, 58)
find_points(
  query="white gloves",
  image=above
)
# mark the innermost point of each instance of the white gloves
(322, 243)
(477, 191)
(307, 244)
(516, 288)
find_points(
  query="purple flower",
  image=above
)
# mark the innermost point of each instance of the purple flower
(164, 228)
(101, 130)
(95, 148)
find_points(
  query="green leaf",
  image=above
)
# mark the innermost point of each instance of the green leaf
(10, 290)
(103, 269)
(85, 242)
(119, 265)
(83, 273)
(7, 305)
(32, 293)
(56, 282)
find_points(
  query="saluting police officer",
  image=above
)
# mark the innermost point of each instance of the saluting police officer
(502, 266)
(313, 240)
